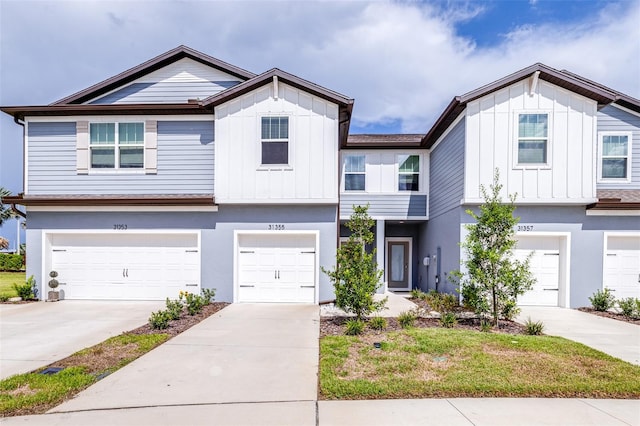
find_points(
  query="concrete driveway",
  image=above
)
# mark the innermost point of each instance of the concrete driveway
(36, 334)
(616, 338)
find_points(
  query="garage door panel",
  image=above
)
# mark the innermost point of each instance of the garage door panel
(544, 264)
(99, 266)
(276, 268)
(622, 266)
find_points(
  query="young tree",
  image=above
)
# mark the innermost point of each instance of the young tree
(356, 276)
(493, 279)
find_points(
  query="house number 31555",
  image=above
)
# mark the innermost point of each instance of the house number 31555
(120, 226)
(275, 227)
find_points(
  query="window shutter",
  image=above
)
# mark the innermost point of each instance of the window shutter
(151, 147)
(82, 147)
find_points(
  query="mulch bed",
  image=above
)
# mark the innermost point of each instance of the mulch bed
(612, 315)
(185, 322)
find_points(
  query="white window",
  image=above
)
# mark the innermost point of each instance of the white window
(614, 156)
(275, 140)
(116, 145)
(408, 173)
(533, 139)
(354, 173)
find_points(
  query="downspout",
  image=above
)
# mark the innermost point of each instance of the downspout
(20, 122)
(17, 212)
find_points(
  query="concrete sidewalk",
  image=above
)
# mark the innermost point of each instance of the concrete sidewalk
(442, 412)
(616, 338)
(36, 334)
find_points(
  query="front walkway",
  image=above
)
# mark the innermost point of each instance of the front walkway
(616, 338)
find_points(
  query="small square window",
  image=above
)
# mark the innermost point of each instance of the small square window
(116, 145)
(532, 138)
(354, 173)
(409, 173)
(275, 140)
(614, 156)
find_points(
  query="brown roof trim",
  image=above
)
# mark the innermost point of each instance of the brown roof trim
(149, 66)
(613, 205)
(565, 80)
(111, 200)
(384, 141)
(345, 104)
(20, 112)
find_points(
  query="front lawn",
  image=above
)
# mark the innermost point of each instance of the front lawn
(439, 362)
(7, 280)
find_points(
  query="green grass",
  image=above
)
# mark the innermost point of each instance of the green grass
(7, 279)
(436, 362)
(33, 393)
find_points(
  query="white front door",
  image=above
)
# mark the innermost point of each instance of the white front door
(545, 267)
(622, 266)
(276, 268)
(126, 267)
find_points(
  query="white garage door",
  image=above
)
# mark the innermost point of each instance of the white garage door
(545, 266)
(622, 266)
(277, 268)
(126, 267)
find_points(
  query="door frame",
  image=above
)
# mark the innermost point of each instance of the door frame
(388, 240)
(236, 251)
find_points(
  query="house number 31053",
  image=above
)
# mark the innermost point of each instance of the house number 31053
(120, 226)
(276, 227)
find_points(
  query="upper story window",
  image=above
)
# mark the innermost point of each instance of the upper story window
(275, 140)
(533, 139)
(354, 173)
(116, 145)
(614, 156)
(408, 173)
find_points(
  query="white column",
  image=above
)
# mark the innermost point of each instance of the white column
(380, 248)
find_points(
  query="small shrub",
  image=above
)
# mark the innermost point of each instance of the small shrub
(602, 300)
(630, 307)
(533, 328)
(485, 326)
(159, 320)
(11, 262)
(407, 319)
(378, 323)
(4, 298)
(510, 310)
(416, 293)
(354, 327)
(441, 302)
(209, 294)
(174, 308)
(448, 320)
(31, 281)
(194, 302)
(23, 290)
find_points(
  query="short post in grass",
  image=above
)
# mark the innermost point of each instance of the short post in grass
(54, 295)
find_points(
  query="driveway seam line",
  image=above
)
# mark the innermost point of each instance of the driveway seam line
(198, 404)
(586, 402)
(458, 410)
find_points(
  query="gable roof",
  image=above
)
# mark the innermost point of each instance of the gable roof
(149, 66)
(580, 85)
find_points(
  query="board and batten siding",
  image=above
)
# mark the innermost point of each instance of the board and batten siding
(400, 206)
(312, 173)
(185, 162)
(175, 83)
(612, 119)
(492, 132)
(447, 172)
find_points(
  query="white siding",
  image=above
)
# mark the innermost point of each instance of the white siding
(492, 132)
(312, 175)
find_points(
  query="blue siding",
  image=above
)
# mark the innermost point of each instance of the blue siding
(396, 205)
(446, 172)
(217, 235)
(611, 118)
(165, 92)
(185, 162)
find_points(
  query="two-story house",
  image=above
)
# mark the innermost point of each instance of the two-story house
(185, 173)
(570, 149)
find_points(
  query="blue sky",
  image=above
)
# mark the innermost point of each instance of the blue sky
(401, 61)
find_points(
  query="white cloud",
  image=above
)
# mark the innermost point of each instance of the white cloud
(400, 61)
